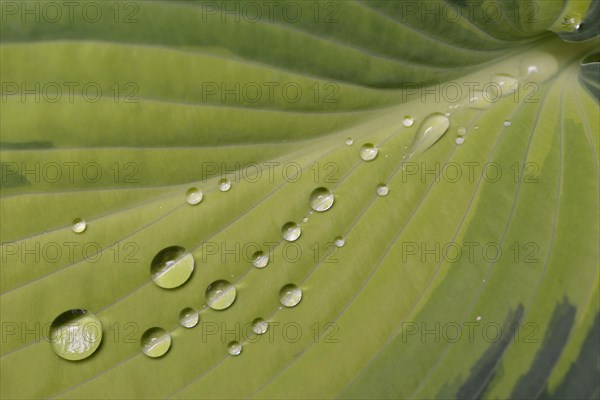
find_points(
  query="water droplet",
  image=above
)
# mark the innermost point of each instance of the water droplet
(224, 185)
(79, 225)
(430, 131)
(459, 140)
(339, 241)
(260, 259)
(476, 127)
(260, 326)
(172, 267)
(447, 114)
(321, 199)
(349, 141)
(188, 317)
(155, 342)
(305, 220)
(408, 121)
(461, 131)
(290, 295)
(507, 123)
(480, 101)
(290, 231)
(75, 334)
(368, 152)
(478, 318)
(571, 23)
(220, 294)
(507, 84)
(234, 348)
(538, 66)
(193, 196)
(382, 189)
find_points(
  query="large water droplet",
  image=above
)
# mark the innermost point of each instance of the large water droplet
(290, 231)
(224, 185)
(339, 241)
(75, 334)
(260, 259)
(79, 225)
(193, 196)
(408, 121)
(571, 23)
(220, 294)
(171, 267)
(290, 295)
(260, 326)
(538, 67)
(188, 317)
(321, 199)
(368, 152)
(382, 189)
(234, 348)
(430, 131)
(155, 342)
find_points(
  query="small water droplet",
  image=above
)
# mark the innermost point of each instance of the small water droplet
(290, 295)
(461, 131)
(507, 123)
(234, 348)
(478, 318)
(291, 231)
(193, 196)
(220, 294)
(188, 317)
(260, 326)
(321, 199)
(571, 23)
(305, 220)
(339, 241)
(459, 140)
(447, 114)
(476, 127)
(408, 121)
(79, 225)
(172, 267)
(538, 66)
(382, 189)
(224, 185)
(430, 131)
(349, 141)
(75, 334)
(155, 342)
(260, 259)
(368, 152)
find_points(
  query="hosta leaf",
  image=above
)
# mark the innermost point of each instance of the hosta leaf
(476, 276)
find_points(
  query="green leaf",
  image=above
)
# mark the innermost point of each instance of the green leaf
(475, 277)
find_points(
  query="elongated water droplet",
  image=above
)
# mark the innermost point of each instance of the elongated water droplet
(538, 66)
(188, 317)
(290, 295)
(155, 342)
(349, 141)
(234, 348)
(260, 326)
(260, 259)
(506, 84)
(459, 140)
(220, 294)
(291, 231)
(368, 152)
(430, 131)
(339, 241)
(382, 189)
(408, 121)
(193, 196)
(224, 185)
(79, 225)
(75, 334)
(571, 23)
(321, 199)
(172, 267)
